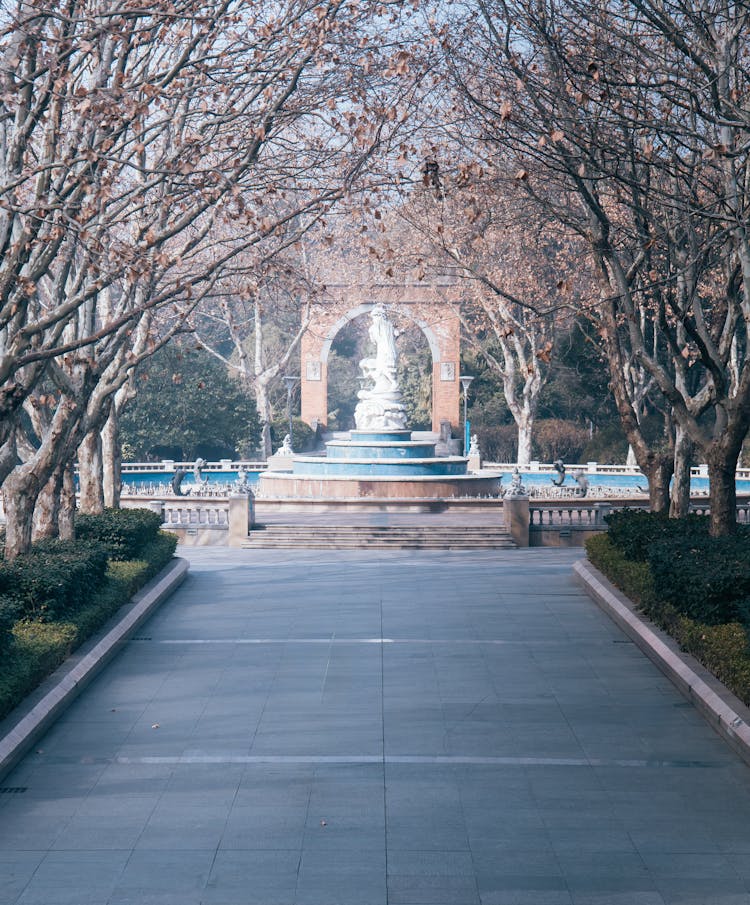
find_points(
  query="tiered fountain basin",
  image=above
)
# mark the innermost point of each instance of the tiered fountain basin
(381, 465)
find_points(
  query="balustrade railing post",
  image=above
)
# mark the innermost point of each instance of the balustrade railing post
(516, 515)
(601, 511)
(157, 506)
(239, 518)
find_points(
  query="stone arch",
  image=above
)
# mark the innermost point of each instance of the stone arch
(354, 313)
(427, 306)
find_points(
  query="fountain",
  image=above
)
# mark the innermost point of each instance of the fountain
(380, 459)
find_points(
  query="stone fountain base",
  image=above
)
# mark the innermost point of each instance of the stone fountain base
(381, 465)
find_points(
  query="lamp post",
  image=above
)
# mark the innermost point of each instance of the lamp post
(465, 381)
(290, 380)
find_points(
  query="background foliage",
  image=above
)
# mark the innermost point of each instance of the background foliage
(188, 406)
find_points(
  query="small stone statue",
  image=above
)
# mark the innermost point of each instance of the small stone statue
(516, 484)
(380, 406)
(241, 485)
(474, 445)
(583, 483)
(177, 479)
(286, 446)
(559, 467)
(198, 467)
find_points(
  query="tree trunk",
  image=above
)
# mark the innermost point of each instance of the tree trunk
(8, 454)
(659, 474)
(524, 443)
(47, 508)
(91, 474)
(20, 491)
(22, 486)
(722, 494)
(66, 515)
(263, 404)
(112, 460)
(679, 505)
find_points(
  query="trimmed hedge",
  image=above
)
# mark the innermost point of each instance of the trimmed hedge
(632, 578)
(635, 531)
(55, 578)
(125, 533)
(37, 647)
(709, 582)
(705, 578)
(695, 587)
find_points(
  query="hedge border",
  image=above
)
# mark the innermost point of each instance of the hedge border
(713, 700)
(24, 726)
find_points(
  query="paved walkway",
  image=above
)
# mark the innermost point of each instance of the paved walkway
(403, 728)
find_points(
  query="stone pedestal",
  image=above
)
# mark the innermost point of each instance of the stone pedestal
(241, 517)
(281, 462)
(157, 506)
(516, 512)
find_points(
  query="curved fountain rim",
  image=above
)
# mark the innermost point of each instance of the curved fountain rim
(383, 443)
(472, 476)
(431, 460)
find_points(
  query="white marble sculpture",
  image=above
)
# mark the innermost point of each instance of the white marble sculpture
(380, 406)
(286, 446)
(517, 487)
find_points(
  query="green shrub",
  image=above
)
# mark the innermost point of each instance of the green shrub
(55, 578)
(633, 578)
(124, 532)
(39, 647)
(10, 612)
(708, 581)
(160, 552)
(635, 531)
(708, 585)
(722, 649)
(303, 436)
(705, 578)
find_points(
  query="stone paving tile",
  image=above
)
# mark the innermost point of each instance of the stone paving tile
(17, 869)
(531, 757)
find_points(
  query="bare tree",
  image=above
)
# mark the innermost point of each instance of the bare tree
(625, 122)
(130, 140)
(519, 276)
(263, 317)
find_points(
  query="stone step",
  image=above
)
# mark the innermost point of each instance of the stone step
(460, 537)
(378, 532)
(321, 544)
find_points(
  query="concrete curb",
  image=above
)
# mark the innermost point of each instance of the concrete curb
(31, 719)
(714, 701)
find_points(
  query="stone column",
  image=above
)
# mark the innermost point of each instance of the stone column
(516, 512)
(157, 506)
(241, 517)
(601, 511)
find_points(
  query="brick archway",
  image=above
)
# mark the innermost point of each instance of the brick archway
(427, 306)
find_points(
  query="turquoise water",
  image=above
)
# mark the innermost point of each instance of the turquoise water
(144, 480)
(626, 482)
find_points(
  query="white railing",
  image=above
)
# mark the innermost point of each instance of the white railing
(591, 516)
(557, 516)
(743, 511)
(169, 465)
(154, 491)
(184, 512)
(699, 471)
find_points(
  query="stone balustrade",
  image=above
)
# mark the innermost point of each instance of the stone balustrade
(204, 521)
